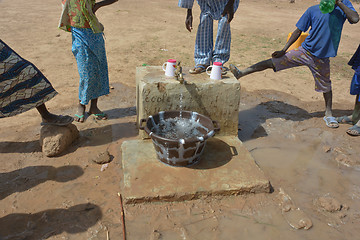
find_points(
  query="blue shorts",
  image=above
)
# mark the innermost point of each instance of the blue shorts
(355, 84)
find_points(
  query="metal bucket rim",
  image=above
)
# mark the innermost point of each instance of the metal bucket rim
(188, 140)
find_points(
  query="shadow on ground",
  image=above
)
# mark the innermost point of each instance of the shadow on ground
(274, 104)
(26, 178)
(89, 137)
(20, 147)
(48, 223)
(221, 153)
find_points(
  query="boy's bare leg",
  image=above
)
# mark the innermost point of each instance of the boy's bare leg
(328, 103)
(260, 66)
(330, 120)
(356, 113)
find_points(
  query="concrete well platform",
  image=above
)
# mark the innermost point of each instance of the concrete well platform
(225, 168)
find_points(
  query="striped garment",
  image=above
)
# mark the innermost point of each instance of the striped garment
(205, 52)
(22, 85)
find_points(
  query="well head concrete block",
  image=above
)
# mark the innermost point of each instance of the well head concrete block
(216, 99)
(225, 168)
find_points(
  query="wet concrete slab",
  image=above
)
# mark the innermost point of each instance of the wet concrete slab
(225, 168)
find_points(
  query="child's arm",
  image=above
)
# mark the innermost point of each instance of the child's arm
(351, 15)
(189, 20)
(102, 4)
(294, 36)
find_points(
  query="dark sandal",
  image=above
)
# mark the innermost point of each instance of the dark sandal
(200, 68)
(224, 71)
(100, 116)
(344, 119)
(354, 131)
(59, 121)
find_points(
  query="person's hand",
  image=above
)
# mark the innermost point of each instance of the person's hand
(229, 10)
(189, 20)
(278, 54)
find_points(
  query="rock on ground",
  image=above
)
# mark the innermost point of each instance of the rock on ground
(328, 204)
(55, 139)
(102, 158)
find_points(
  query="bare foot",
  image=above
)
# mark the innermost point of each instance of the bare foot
(80, 114)
(99, 115)
(237, 73)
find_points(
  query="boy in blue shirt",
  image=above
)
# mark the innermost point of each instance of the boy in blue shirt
(321, 44)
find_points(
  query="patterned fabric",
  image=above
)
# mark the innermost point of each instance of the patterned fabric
(22, 85)
(89, 51)
(214, 8)
(205, 52)
(319, 67)
(79, 14)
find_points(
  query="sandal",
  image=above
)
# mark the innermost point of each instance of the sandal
(100, 116)
(331, 122)
(58, 121)
(224, 71)
(79, 118)
(344, 119)
(199, 68)
(354, 130)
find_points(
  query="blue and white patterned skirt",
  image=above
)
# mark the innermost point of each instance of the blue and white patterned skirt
(89, 51)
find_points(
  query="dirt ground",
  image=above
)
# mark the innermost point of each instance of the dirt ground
(69, 197)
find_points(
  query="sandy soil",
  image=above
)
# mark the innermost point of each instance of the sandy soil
(68, 197)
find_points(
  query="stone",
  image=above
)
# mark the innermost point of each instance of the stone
(156, 235)
(326, 148)
(345, 160)
(328, 204)
(216, 99)
(101, 158)
(55, 139)
(295, 217)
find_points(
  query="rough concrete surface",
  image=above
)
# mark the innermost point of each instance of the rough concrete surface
(225, 168)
